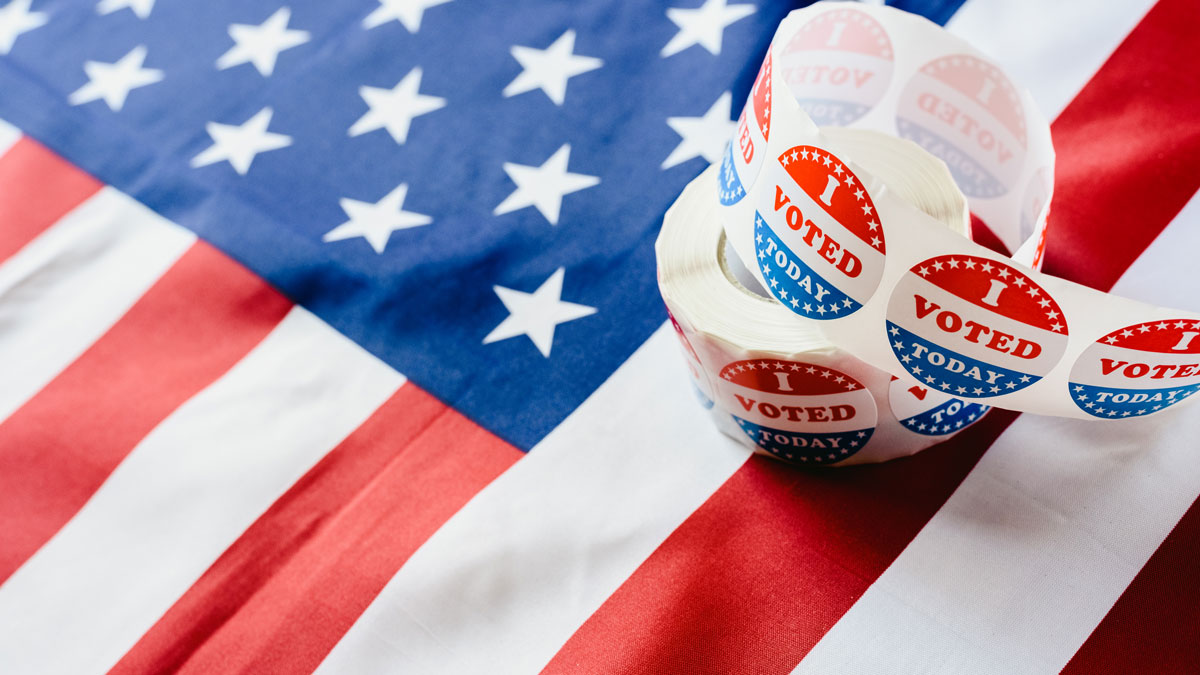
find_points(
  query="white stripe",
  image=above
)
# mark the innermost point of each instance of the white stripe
(1052, 48)
(184, 495)
(9, 135)
(1042, 537)
(511, 576)
(65, 288)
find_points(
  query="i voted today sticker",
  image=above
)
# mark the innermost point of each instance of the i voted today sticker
(974, 327)
(1138, 370)
(820, 248)
(801, 412)
(931, 412)
(964, 111)
(838, 66)
(744, 155)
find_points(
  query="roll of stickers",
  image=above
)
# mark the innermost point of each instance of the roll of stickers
(776, 383)
(866, 281)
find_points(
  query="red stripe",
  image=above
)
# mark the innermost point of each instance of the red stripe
(286, 591)
(37, 188)
(762, 570)
(198, 320)
(1128, 149)
(1153, 628)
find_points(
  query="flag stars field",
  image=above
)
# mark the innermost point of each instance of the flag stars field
(394, 109)
(240, 144)
(15, 19)
(536, 315)
(376, 222)
(703, 136)
(407, 12)
(544, 187)
(112, 82)
(260, 45)
(549, 69)
(704, 26)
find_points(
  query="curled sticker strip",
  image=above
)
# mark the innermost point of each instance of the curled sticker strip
(776, 383)
(890, 285)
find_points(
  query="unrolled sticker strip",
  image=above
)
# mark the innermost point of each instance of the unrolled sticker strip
(890, 285)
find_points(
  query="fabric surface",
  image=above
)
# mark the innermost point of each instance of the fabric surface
(330, 342)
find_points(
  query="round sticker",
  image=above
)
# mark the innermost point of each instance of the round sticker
(744, 155)
(821, 249)
(931, 412)
(800, 412)
(965, 111)
(975, 327)
(838, 66)
(1138, 370)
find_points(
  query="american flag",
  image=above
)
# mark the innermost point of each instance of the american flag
(330, 341)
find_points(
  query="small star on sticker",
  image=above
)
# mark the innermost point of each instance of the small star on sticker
(937, 265)
(394, 109)
(261, 44)
(969, 264)
(113, 81)
(15, 19)
(702, 136)
(986, 267)
(549, 69)
(703, 25)
(1143, 328)
(536, 315)
(545, 186)
(376, 222)
(240, 144)
(408, 12)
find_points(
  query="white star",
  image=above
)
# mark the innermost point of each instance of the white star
(238, 144)
(394, 109)
(702, 136)
(376, 222)
(261, 44)
(549, 69)
(113, 81)
(407, 12)
(140, 7)
(536, 314)
(15, 18)
(544, 186)
(703, 26)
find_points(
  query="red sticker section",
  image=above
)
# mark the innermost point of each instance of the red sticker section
(838, 66)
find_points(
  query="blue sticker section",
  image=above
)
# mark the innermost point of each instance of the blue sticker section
(946, 418)
(731, 191)
(806, 448)
(952, 372)
(971, 177)
(704, 400)
(1110, 403)
(831, 113)
(426, 303)
(794, 283)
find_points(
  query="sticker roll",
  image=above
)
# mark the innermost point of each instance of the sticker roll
(775, 382)
(816, 226)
